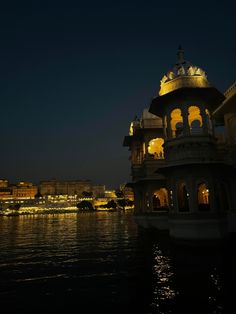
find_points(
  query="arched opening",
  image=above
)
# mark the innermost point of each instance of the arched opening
(160, 200)
(203, 195)
(183, 197)
(155, 148)
(176, 123)
(194, 120)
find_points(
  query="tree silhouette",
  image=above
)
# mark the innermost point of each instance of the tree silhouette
(85, 205)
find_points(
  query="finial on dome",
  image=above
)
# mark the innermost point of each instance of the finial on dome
(180, 55)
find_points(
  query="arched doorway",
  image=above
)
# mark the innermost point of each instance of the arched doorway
(160, 200)
(182, 196)
(203, 195)
(194, 120)
(176, 123)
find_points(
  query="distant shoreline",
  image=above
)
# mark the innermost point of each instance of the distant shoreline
(57, 211)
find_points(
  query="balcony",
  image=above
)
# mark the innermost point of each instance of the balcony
(147, 169)
(191, 149)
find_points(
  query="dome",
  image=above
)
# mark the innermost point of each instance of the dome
(183, 74)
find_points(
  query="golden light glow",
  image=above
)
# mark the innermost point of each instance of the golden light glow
(183, 196)
(160, 198)
(182, 81)
(194, 115)
(164, 290)
(176, 122)
(209, 123)
(203, 194)
(155, 148)
(131, 129)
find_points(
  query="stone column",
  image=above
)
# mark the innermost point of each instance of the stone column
(175, 197)
(186, 128)
(192, 199)
(169, 131)
(150, 200)
(170, 199)
(145, 201)
(212, 197)
(204, 119)
(164, 126)
(145, 147)
(142, 207)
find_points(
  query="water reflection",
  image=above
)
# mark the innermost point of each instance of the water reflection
(191, 279)
(164, 292)
(102, 259)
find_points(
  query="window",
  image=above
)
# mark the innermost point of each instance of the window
(155, 148)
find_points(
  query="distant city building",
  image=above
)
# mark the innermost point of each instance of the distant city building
(23, 190)
(183, 157)
(110, 194)
(5, 192)
(54, 187)
(3, 183)
(54, 191)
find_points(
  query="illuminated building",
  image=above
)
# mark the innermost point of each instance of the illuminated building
(5, 193)
(23, 190)
(110, 194)
(184, 171)
(145, 141)
(3, 183)
(54, 187)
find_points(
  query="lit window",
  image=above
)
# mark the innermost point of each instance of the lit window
(155, 148)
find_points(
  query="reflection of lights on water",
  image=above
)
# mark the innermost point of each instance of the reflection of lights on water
(216, 280)
(213, 299)
(163, 273)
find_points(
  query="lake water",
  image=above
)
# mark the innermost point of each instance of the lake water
(103, 263)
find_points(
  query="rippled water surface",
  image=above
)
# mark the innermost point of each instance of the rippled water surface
(102, 263)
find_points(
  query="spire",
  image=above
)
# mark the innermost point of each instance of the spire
(180, 55)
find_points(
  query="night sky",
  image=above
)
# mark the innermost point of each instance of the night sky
(74, 74)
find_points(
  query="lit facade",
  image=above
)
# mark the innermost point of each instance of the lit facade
(183, 173)
(54, 187)
(3, 183)
(23, 190)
